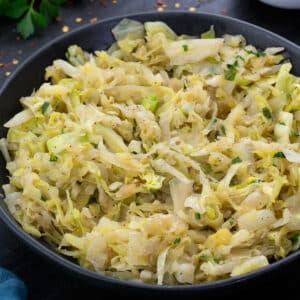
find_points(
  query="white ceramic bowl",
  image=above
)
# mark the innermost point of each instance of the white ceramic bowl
(290, 4)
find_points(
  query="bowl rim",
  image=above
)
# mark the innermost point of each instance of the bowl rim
(60, 260)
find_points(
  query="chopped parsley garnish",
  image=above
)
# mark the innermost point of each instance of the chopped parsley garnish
(296, 134)
(223, 129)
(231, 71)
(294, 237)
(45, 106)
(236, 160)
(281, 123)
(266, 112)
(279, 155)
(204, 257)
(197, 216)
(240, 57)
(217, 259)
(177, 241)
(53, 158)
(185, 48)
(257, 53)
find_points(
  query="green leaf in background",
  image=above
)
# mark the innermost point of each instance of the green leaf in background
(31, 15)
(25, 27)
(39, 20)
(13, 9)
(58, 2)
(49, 9)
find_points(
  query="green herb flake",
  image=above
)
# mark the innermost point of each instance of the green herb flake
(281, 123)
(185, 48)
(257, 53)
(177, 241)
(217, 259)
(204, 257)
(223, 129)
(294, 237)
(53, 158)
(236, 160)
(231, 71)
(240, 57)
(45, 106)
(266, 112)
(296, 134)
(279, 155)
(232, 222)
(197, 216)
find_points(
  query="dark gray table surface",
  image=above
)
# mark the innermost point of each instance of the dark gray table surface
(42, 279)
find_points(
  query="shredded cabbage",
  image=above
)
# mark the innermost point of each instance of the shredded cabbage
(167, 159)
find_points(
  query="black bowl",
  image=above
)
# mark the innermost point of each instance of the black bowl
(98, 36)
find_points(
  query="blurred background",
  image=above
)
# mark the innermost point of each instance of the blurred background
(24, 29)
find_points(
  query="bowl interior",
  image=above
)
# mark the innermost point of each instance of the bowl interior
(98, 36)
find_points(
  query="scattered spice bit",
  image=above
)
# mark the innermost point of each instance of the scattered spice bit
(236, 160)
(160, 9)
(7, 73)
(59, 19)
(32, 44)
(224, 10)
(177, 241)
(114, 1)
(103, 2)
(1, 65)
(20, 52)
(15, 61)
(93, 20)
(192, 9)
(65, 28)
(78, 20)
(18, 37)
(160, 2)
(177, 4)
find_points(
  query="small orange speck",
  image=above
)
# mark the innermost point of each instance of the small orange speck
(15, 61)
(7, 73)
(177, 4)
(65, 28)
(93, 20)
(59, 19)
(192, 9)
(78, 20)
(164, 5)
(114, 1)
(160, 8)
